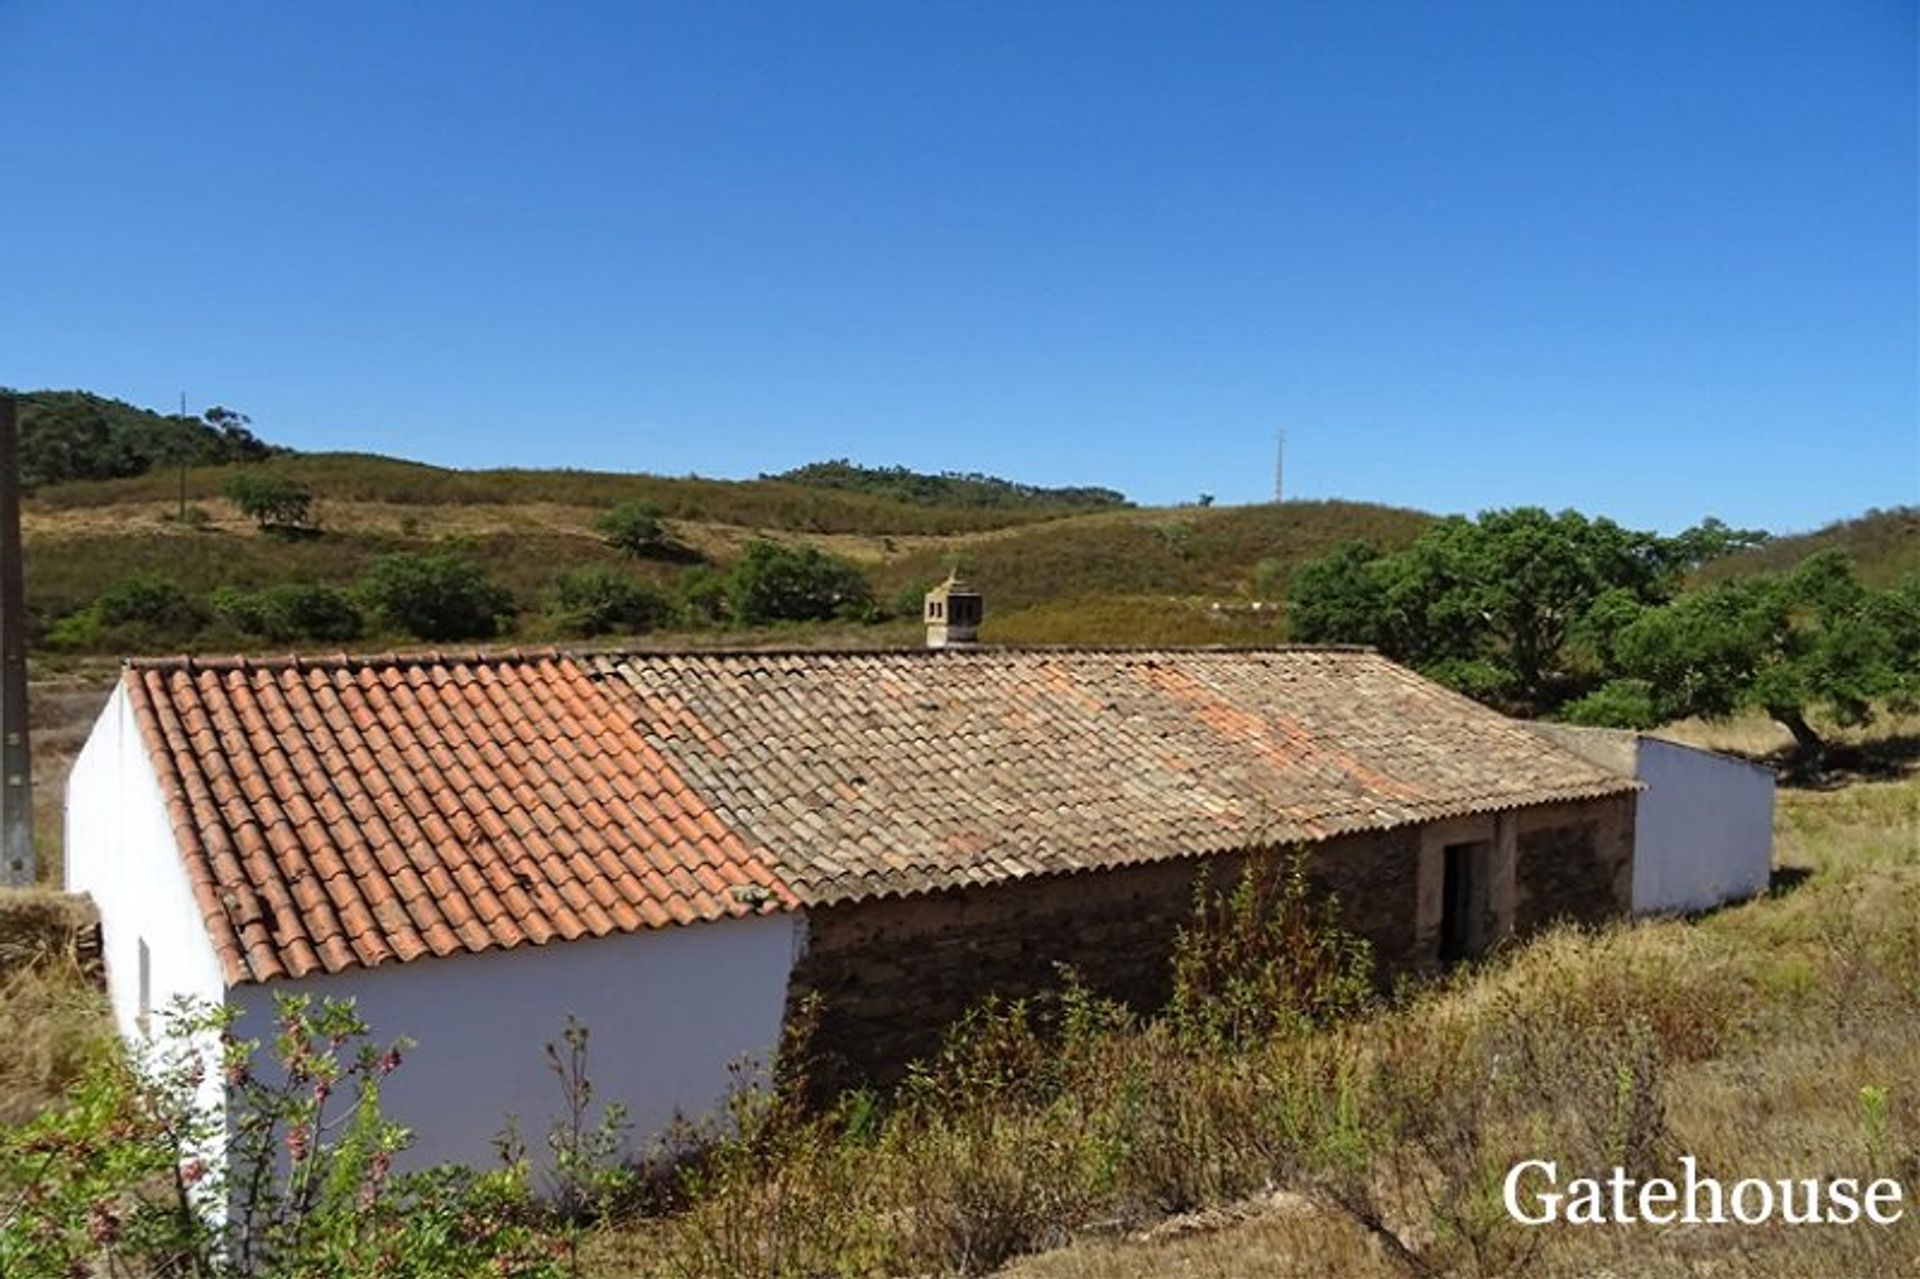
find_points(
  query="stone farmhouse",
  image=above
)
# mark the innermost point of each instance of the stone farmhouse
(678, 847)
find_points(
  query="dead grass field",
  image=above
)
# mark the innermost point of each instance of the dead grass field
(1808, 1004)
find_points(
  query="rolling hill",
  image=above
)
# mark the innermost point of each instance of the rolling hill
(1060, 565)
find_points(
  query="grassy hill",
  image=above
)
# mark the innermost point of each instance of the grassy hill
(1053, 573)
(1885, 544)
(1058, 565)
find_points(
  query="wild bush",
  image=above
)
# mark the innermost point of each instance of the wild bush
(1265, 957)
(144, 610)
(633, 529)
(139, 1172)
(290, 613)
(594, 600)
(436, 595)
(774, 583)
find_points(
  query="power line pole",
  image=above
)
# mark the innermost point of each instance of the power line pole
(1280, 466)
(183, 459)
(16, 764)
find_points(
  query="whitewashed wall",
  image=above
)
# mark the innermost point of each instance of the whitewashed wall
(120, 850)
(668, 1012)
(1704, 834)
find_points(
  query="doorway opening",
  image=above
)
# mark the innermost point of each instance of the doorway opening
(1463, 901)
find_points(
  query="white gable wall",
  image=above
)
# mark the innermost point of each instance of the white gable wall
(1704, 834)
(668, 1011)
(120, 850)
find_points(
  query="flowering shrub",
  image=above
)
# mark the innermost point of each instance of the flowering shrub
(200, 1160)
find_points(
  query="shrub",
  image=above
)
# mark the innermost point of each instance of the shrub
(633, 528)
(703, 596)
(595, 600)
(121, 1179)
(774, 583)
(438, 595)
(274, 502)
(138, 611)
(290, 612)
(909, 600)
(1267, 956)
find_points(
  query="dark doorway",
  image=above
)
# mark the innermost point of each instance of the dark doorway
(1462, 902)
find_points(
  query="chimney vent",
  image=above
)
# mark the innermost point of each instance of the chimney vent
(953, 612)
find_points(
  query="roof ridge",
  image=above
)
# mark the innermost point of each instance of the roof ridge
(975, 652)
(516, 656)
(341, 661)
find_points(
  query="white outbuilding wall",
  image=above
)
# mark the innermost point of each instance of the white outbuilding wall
(120, 850)
(668, 1011)
(1703, 827)
(1704, 834)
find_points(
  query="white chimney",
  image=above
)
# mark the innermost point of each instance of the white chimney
(953, 612)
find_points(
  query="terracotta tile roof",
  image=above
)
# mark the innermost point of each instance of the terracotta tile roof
(876, 774)
(341, 813)
(353, 812)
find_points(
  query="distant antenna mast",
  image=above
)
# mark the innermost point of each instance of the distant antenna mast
(1280, 466)
(183, 461)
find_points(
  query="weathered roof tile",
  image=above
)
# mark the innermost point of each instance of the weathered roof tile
(342, 813)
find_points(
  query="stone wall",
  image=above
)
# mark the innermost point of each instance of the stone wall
(1574, 862)
(891, 975)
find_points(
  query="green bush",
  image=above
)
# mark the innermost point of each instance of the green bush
(438, 595)
(595, 601)
(703, 596)
(290, 612)
(774, 583)
(633, 529)
(119, 1179)
(139, 611)
(149, 601)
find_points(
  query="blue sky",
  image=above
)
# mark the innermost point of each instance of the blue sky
(1655, 260)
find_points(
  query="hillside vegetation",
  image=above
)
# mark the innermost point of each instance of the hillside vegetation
(74, 435)
(1884, 546)
(949, 488)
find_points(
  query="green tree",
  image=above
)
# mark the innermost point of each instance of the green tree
(274, 502)
(1494, 605)
(1340, 598)
(595, 601)
(774, 583)
(1812, 640)
(436, 595)
(71, 435)
(633, 529)
(1711, 539)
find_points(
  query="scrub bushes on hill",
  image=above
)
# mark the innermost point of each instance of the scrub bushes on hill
(438, 595)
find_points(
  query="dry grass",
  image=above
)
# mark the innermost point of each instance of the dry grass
(1779, 1016)
(52, 1015)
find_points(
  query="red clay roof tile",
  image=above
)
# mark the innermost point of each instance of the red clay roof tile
(341, 813)
(351, 812)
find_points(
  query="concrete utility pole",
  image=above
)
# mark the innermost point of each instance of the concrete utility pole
(16, 764)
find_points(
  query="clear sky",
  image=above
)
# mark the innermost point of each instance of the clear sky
(1650, 259)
